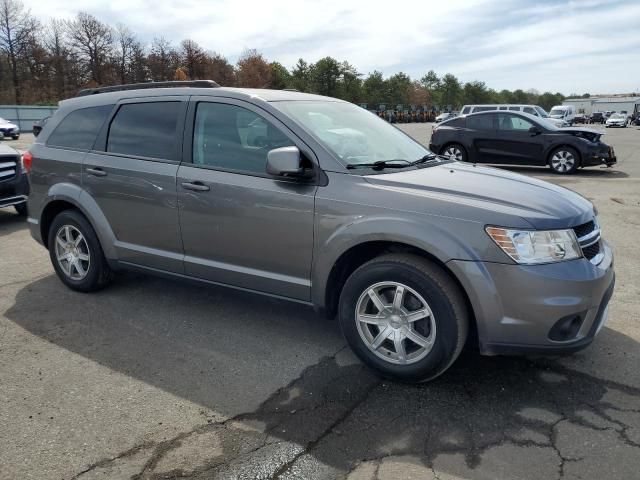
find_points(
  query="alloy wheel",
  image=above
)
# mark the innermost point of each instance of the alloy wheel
(453, 153)
(562, 161)
(395, 323)
(72, 252)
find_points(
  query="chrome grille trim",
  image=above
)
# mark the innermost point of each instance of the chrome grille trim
(8, 169)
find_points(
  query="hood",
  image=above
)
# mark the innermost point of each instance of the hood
(491, 195)
(7, 124)
(589, 133)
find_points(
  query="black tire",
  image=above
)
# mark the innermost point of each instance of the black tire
(567, 153)
(455, 150)
(98, 273)
(16, 137)
(21, 208)
(443, 298)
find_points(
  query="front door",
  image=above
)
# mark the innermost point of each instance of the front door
(515, 144)
(131, 174)
(240, 226)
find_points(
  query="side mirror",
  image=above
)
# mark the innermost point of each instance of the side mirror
(286, 162)
(535, 131)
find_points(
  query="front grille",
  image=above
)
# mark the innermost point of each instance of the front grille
(588, 235)
(584, 229)
(6, 130)
(591, 251)
(7, 169)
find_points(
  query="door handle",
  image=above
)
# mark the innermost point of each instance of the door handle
(196, 186)
(96, 172)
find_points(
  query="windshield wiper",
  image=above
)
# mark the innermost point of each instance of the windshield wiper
(381, 164)
(429, 157)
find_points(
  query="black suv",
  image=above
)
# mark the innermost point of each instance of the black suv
(14, 186)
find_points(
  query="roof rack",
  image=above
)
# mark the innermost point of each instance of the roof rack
(141, 86)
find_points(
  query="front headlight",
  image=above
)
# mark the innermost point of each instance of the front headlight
(530, 247)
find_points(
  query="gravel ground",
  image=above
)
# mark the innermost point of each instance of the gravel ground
(156, 379)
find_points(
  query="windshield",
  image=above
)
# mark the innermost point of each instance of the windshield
(617, 115)
(557, 111)
(351, 133)
(542, 112)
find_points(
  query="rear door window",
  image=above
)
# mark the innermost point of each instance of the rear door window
(481, 122)
(146, 130)
(79, 129)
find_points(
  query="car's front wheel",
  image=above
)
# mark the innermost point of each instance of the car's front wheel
(454, 151)
(564, 160)
(76, 253)
(404, 317)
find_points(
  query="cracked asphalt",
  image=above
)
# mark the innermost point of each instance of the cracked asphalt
(154, 379)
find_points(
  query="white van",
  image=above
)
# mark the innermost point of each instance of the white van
(530, 109)
(566, 113)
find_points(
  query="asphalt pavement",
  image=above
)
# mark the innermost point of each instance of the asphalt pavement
(152, 378)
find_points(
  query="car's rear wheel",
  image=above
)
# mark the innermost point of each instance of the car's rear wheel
(404, 317)
(564, 160)
(454, 151)
(21, 208)
(76, 253)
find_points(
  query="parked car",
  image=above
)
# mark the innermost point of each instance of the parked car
(581, 118)
(410, 251)
(514, 138)
(444, 116)
(9, 130)
(564, 113)
(597, 117)
(39, 125)
(617, 120)
(14, 186)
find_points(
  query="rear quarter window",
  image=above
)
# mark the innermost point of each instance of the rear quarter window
(481, 122)
(456, 123)
(79, 129)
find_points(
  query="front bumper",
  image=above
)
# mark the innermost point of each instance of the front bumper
(14, 191)
(517, 306)
(598, 155)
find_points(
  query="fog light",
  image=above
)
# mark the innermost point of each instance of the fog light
(566, 328)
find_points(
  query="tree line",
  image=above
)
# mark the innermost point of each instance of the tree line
(44, 63)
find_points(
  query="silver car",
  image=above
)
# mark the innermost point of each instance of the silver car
(332, 207)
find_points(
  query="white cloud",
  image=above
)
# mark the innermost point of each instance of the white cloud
(566, 46)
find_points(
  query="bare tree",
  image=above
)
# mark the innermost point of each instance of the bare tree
(193, 59)
(16, 33)
(220, 70)
(253, 70)
(162, 60)
(93, 40)
(125, 45)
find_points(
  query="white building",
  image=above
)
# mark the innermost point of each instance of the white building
(620, 103)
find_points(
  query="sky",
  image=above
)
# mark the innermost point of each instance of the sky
(570, 46)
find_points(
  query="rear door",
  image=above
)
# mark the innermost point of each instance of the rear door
(131, 174)
(240, 226)
(515, 144)
(482, 132)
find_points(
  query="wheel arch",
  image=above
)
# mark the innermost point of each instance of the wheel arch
(361, 253)
(68, 196)
(553, 148)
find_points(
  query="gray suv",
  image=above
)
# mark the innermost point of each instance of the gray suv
(315, 200)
